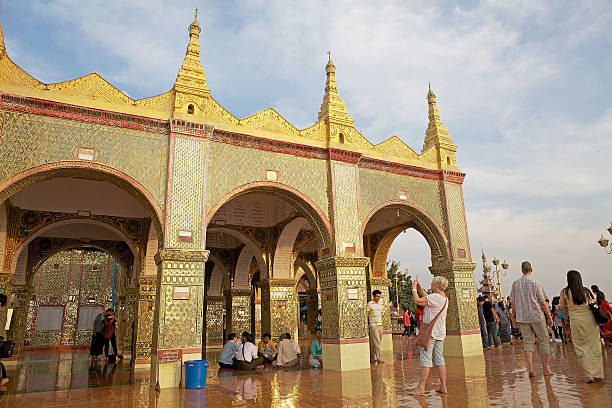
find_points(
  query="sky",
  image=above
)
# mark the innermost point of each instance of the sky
(523, 87)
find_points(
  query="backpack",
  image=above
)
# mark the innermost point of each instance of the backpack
(108, 327)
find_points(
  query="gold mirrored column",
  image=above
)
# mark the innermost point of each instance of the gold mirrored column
(343, 303)
(237, 311)
(19, 302)
(144, 319)
(312, 309)
(462, 327)
(214, 321)
(279, 307)
(177, 332)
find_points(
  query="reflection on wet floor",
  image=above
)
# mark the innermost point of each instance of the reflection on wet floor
(499, 379)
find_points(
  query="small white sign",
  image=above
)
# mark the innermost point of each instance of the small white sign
(271, 175)
(181, 293)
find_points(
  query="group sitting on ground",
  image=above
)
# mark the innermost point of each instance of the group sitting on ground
(241, 354)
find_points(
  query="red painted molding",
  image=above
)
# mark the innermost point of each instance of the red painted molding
(388, 332)
(177, 126)
(276, 146)
(461, 332)
(344, 155)
(82, 114)
(453, 176)
(346, 341)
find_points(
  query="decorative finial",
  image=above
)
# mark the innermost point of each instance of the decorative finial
(329, 55)
(194, 27)
(431, 97)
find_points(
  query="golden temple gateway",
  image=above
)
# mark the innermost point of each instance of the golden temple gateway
(193, 223)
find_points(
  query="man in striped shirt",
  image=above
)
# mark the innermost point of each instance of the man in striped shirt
(375, 313)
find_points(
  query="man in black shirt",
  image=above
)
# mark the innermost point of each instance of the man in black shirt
(491, 318)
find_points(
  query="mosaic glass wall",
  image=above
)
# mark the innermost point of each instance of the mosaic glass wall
(67, 284)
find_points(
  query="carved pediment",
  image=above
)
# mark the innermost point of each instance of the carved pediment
(395, 146)
(271, 121)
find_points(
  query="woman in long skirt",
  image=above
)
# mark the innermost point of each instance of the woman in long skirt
(504, 324)
(575, 298)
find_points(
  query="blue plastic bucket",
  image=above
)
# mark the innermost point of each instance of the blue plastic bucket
(195, 373)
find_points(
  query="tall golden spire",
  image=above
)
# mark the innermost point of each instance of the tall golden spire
(436, 133)
(332, 108)
(190, 78)
(2, 48)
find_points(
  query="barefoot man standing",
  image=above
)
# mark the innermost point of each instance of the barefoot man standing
(530, 310)
(375, 311)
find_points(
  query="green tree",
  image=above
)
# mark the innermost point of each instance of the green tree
(404, 289)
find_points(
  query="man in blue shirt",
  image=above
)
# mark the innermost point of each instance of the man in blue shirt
(226, 358)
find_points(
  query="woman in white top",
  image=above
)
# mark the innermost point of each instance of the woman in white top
(432, 356)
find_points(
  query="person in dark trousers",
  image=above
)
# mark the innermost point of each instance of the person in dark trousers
(3, 317)
(484, 333)
(491, 318)
(97, 338)
(109, 329)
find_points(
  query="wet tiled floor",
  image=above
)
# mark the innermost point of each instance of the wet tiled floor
(499, 379)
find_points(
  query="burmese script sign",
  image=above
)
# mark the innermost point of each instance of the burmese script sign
(169, 356)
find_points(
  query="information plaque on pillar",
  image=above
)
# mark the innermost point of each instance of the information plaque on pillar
(180, 293)
(352, 293)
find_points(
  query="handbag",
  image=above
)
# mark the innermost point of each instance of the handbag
(600, 316)
(426, 329)
(6, 349)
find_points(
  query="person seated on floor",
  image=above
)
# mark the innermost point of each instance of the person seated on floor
(227, 358)
(316, 355)
(266, 348)
(246, 356)
(288, 353)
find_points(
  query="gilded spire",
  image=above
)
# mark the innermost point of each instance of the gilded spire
(436, 133)
(332, 108)
(2, 48)
(190, 78)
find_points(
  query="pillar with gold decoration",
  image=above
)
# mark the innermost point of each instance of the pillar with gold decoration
(463, 331)
(180, 295)
(342, 268)
(145, 309)
(238, 311)
(312, 309)
(214, 321)
(19, 301)
(279, 307)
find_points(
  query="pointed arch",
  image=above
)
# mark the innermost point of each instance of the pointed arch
(220, 276)
(302, 203)
(86, 170)
(420, 221)
(301, 264)
(283, 253)
(243, 268)
(253, 248)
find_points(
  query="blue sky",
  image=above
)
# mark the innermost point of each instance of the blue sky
(523, 88)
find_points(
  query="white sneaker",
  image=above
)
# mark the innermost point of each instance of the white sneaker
(557, 340)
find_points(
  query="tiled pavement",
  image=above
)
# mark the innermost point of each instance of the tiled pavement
(498, 379)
